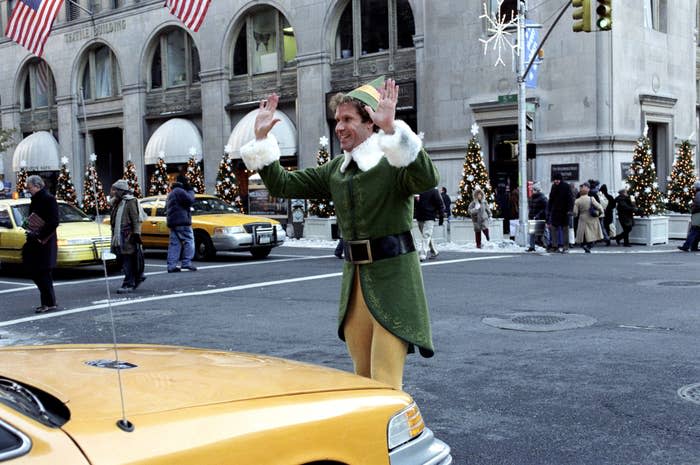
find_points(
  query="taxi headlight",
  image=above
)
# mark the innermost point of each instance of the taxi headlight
(229, 230)
(404, 426)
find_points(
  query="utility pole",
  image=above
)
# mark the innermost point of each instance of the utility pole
(521, 238)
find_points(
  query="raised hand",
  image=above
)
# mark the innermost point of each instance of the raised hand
(384, 115)
(265, 119)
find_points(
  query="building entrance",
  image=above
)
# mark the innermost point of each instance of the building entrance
(109, 148)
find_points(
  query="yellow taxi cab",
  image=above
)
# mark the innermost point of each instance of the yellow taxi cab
(217, 226)
(61, 405)
(81, 241)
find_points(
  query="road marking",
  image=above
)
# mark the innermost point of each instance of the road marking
(12, 282)
(180, 294)
(153, 273)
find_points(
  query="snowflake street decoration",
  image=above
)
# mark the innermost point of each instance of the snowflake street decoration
(323, 141)
(93, 157)
(228, 149)
(499, 29)
(64, 160)
(475, 129)
(161, 154)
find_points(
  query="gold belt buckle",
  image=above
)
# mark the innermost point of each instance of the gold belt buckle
(362, 260)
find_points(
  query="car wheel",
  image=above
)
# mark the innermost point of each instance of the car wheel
(260, 252)
(203, 247)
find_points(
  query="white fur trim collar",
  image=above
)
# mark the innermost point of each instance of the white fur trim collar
(366, 155)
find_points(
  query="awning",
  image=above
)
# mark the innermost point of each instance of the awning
(38, 152)
(284, 131)
(175, 139)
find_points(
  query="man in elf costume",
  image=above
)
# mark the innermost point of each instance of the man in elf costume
(383, 309)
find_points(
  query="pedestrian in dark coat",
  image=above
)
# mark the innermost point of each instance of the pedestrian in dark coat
(625, 215)
(428, 207)
(179, 221)
(125, 222)
(560, 204)
(537, 210)
(609, 210)
(41, 248)
(693, 238)
(446, 201)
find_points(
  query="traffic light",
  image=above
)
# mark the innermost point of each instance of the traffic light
(581, 15)
(604, 15)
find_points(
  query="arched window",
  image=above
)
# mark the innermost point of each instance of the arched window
(175, 60)
(265, 43)
(100, 74)
(374, 26)
(39, 88)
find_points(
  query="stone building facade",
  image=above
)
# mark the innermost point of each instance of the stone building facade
(109, 80)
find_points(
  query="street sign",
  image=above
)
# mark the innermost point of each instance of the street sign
(532, 38)
(512, 98)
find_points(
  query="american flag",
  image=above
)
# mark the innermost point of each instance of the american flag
(190, 12)
(30, 23)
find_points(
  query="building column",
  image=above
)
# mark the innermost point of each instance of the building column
(313, 73)
(216, 124)
(134, 104)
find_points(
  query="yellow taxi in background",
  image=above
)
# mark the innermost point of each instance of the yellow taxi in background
(81, 240)
(200, 407)
(217, 226)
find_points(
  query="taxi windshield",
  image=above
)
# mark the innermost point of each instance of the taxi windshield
(212, 206)
(66, 214)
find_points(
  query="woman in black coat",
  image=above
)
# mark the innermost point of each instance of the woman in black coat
(609, 209)
(625, 215)
(41, 248)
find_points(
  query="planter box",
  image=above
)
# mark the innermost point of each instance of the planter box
(648, 231)
(678, 225)
(462, 230)
(319, 228)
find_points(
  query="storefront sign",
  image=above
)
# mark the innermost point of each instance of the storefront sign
(95, 31)
(624, 169)
(406, 101)
(568, 171)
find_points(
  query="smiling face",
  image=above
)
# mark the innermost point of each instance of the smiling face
(349, 128)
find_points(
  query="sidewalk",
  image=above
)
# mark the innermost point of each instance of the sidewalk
(510, 247)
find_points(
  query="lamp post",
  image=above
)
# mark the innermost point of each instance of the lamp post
(521, 238)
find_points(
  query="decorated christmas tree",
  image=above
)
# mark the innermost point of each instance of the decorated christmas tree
(473, 175)
(22, 179)
(65, 190)
(680, 185)
(93, 192)
(322, 208)
(159, 178)
(643, 186)
(194, 174)
(226, 185)
(132, 178)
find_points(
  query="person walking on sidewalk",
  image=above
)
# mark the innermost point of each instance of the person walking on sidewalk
(447, 202)
(609, 212)
(40, 250)
(179, 220)
(537, 211)
(428, 208)
(625, 215)
(691, 241)
(125, 222)
(561, 202)
(481, 216)
(383, 311)
(589, 230)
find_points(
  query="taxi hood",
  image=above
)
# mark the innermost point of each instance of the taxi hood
(164, 378)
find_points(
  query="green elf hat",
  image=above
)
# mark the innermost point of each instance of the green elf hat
(368, 93)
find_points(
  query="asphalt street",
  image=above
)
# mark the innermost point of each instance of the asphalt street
(509, 384)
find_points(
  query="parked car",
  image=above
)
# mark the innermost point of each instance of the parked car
(81, 240)
(217, 226)
(61, 405)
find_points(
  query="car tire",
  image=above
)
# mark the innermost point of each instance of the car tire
(203, 246)
(260, 252)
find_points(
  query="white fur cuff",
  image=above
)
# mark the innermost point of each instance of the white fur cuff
(257, 154)
(400, 148)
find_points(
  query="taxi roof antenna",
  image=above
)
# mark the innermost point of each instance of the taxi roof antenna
(123, 423)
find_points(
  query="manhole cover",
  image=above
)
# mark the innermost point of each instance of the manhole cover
(679, 283)
(540, 321)
(537, 320)
(690, 392)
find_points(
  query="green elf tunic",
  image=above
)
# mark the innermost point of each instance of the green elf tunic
(372, 189)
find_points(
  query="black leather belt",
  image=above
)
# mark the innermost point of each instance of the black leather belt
(367, 251)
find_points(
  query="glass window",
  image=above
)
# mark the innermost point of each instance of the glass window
(27, 94)
(175, 59)
(375, 26)
(95, 6)
(72, 11)
(240, 53)
(100, 74)
(379, 25)
(268, 39)
(38, 88)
